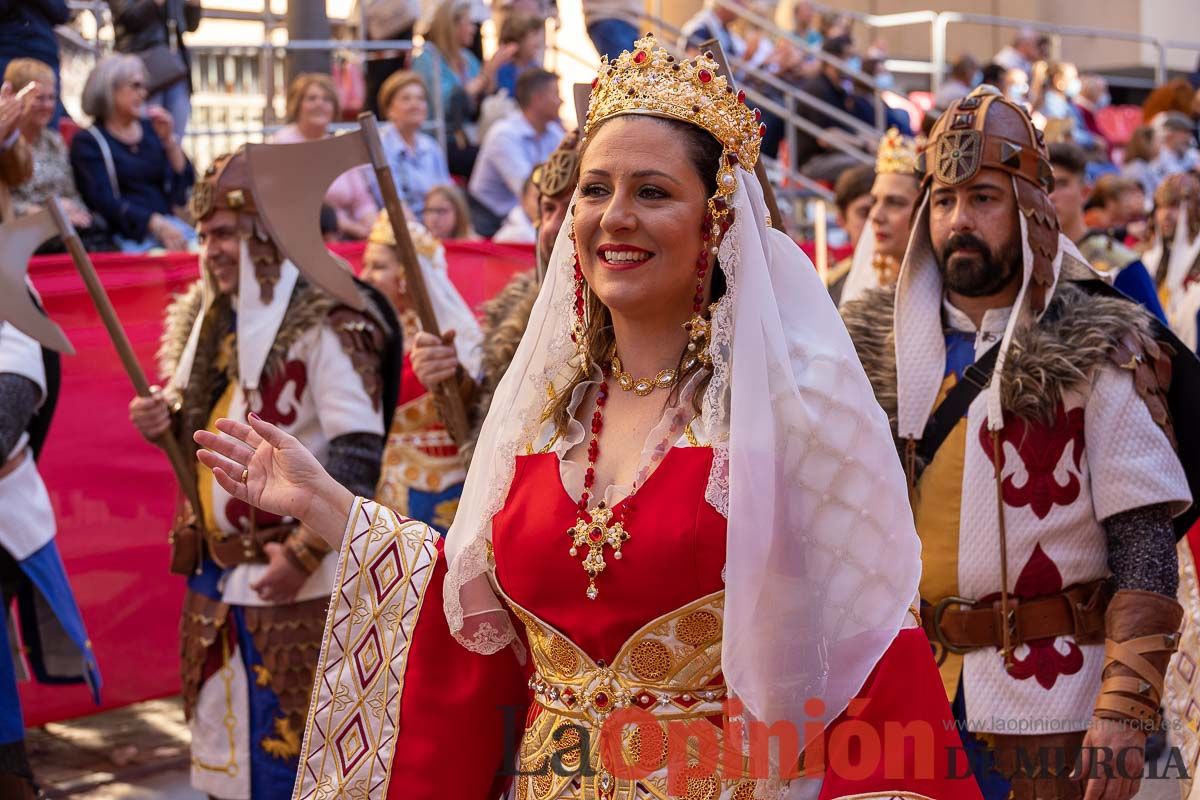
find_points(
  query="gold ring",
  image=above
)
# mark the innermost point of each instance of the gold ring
(245, 475)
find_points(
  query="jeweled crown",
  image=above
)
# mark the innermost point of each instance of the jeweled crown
(649, 80)
(897, 154)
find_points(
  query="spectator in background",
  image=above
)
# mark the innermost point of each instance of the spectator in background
(806, 24)
(513, 147)
(131, 170)
(852, 197)
(27, 31)
(51, 176)
(385, 19)
(613, 25)
(1115, 202)
(464, 80)
(312, 106)
(818, 158)
(417, 161)
(518, 226)
(446, 215)
(1177, 145)
(528, 34)
(153, 31)
(1021, 53)
(1102, 249)
(1093, 98)
(1140, 153)
(964, 76)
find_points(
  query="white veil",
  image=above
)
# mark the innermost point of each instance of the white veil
(862, 276)
(823, 560)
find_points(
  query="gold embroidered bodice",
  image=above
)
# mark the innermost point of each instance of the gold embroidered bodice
(670, 669)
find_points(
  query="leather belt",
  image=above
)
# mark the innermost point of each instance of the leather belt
(10, 466)
(960, 625)
(229, 550)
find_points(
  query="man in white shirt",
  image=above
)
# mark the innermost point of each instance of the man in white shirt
(512, 147)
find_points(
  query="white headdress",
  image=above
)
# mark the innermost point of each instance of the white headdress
(822, 557)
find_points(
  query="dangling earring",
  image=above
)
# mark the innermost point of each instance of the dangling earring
(578, 326)
(697, 326)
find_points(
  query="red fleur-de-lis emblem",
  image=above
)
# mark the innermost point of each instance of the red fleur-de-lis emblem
(1044, 662)
(1040, 448)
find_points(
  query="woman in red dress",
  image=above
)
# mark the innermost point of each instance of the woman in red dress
(684, 533)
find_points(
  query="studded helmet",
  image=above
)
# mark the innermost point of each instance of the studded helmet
(985, 130)
(225, 186)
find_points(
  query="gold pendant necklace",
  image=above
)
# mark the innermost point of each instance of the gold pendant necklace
(600, 531)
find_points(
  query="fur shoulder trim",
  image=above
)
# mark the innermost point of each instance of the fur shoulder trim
(177, 326)
(505, 318)
(1081, 333)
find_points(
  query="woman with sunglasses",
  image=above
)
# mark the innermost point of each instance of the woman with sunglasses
(129, 165)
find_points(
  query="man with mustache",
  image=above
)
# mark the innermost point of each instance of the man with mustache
(251, 336)
(1030, 418)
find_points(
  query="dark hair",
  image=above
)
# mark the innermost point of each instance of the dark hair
(1068, 156)
(328, 220)
(852, 184)
(994, 73)
(838, 46)
(704, 153)
(965, 67)
(928, 121)
(532, 81)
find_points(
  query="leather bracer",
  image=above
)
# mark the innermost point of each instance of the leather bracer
(1142, 630)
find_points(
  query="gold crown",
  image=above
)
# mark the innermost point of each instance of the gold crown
(897, 154)
(424, 242)
(649, 80)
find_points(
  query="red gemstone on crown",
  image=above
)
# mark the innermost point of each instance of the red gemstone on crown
(757, 114)
(762, 130)
(594, 82)
(741, 97)
(705, 76)
(568, 697)
(600, 700)
(639, 57)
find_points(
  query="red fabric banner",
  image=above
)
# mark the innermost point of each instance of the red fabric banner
(113, 494)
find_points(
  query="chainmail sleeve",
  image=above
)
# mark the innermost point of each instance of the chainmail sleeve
(1141, 550)
(19, 398)
(353, 461)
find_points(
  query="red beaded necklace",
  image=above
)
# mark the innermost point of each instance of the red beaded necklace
(596, 529)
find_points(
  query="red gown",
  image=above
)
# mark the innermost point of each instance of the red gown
(650, 641)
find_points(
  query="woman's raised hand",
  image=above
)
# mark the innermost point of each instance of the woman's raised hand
(269, 469)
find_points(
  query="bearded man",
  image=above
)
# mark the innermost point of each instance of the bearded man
(1038, 443)
(251, 336)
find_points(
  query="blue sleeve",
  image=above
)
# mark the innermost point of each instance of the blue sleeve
(1136, 282)
(97, 191)
(423, 66)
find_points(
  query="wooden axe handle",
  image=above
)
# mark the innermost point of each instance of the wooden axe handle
(760, 169)
(180, 464)
(446, 394)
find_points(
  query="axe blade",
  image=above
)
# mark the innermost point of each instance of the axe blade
(289, 182)
(582, 94)
(18, 239)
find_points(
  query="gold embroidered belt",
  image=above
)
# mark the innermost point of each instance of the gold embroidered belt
(669, 670)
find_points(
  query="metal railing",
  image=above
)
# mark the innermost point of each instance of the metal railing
(939, 23)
